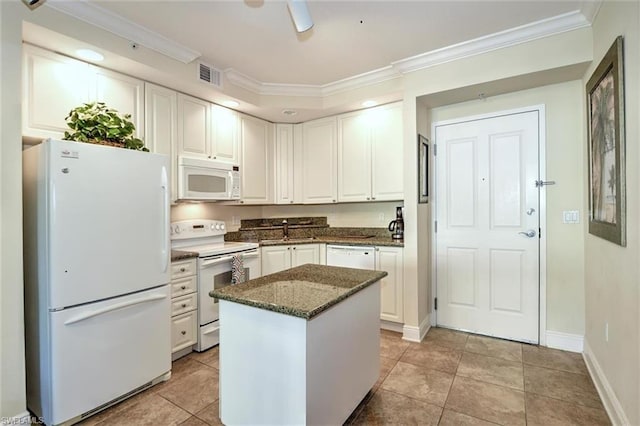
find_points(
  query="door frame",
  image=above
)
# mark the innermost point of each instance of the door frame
(542, 206)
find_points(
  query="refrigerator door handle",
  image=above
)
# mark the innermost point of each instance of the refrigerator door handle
(112, 308)
(165, 220)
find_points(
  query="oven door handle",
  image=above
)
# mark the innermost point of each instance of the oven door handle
(213, 262)
(251, 254)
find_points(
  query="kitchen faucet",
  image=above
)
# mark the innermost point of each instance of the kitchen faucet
(285, 230)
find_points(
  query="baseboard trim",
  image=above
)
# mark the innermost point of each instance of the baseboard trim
(391, 326)
(607, 395)
(565, 341)
(416, 334)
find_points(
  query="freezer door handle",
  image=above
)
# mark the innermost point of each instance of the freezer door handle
(114, 308)
(213, 330)
(165, 220)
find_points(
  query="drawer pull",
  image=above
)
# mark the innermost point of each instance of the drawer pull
(183, 332)
(183, 269)
(184, 305)
(183, 287)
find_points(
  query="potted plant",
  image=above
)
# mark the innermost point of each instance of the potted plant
(96, 123)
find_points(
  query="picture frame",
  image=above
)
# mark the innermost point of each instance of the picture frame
(423, 169)
(606, 147)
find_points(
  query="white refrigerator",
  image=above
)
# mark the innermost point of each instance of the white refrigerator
(96, 256)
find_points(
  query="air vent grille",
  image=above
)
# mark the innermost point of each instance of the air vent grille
(209, 74)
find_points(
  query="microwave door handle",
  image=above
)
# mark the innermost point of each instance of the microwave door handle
(218, 261)
(230, 184)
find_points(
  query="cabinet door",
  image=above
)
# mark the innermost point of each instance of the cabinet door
(52, 86)
(257, 160)
(305, 253)
(194, 127)
(161, 126)
(122, 93)
(389, 259)
(284, 164)
(224, 134)
(354, 156)
(319, 161)
(275, 259)
(387, 153)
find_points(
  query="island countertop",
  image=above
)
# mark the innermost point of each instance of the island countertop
(304, 291)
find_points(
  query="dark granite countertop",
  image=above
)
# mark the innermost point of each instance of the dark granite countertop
(333, 239)
(182, 255)
(304, 291)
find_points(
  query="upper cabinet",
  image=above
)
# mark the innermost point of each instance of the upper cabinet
(256, 162)
(370, 154)
(194, 127)
(225, 134)
(120, 92)
(206, 130)
(52, 86)
(319, 161)
(161, 126)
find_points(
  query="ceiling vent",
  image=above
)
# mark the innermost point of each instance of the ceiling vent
(209, 74)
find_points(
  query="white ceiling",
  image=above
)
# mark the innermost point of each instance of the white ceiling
(258, 39)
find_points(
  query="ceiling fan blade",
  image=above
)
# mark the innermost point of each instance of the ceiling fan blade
(300, 15)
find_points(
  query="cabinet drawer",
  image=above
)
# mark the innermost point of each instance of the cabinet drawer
(183, 268)
(180, 305)
(184, 331)
(183, 286)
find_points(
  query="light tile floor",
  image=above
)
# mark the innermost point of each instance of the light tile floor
(451, 378)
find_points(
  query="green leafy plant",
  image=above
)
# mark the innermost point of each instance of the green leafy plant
(96, 123)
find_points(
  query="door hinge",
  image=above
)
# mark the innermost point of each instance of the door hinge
(541, 183)
(435, 304)
(539, 232)
(435, 149)
(435, 226)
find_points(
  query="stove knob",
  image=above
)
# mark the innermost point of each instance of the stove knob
(213, 227)
(222, 226)
(178, 230)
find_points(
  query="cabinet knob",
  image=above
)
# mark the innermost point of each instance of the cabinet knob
(184, 305)
(294, 248)
(183, 269)
(241, 201)
(333, 201)
(209, 156)
(291, 201)
(183, 332)
(373, 198)
(215, 158)
(183, 287)
(288, 248)
(368, 198)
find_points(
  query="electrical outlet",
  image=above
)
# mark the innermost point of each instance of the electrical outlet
(381, 217)
(606, 331)
(571, 216)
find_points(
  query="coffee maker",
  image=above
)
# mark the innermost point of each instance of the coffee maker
(397, 226)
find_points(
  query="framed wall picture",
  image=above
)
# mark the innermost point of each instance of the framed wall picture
(606, 147)
(423, 169)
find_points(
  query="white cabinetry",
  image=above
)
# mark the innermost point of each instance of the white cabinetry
(319, 161)
(52, 86)
(161, 126)
(184, 307)
(390, 260)
(120, 92)
(256, 168)
(279, 258)
(284, 164)
(370, 154)
(194, 127)
(224, 134)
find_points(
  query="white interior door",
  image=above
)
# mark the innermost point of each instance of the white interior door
(487, 239)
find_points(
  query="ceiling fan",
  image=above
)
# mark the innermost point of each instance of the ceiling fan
(300, 15)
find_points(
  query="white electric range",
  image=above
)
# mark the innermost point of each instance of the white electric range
(206, 237)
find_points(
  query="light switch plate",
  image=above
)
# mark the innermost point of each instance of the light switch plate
(571, 216)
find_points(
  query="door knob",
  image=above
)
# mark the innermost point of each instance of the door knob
(530, 233)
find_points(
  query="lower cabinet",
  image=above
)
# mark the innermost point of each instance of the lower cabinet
(279, 258)
(184, 307)
(390, 260)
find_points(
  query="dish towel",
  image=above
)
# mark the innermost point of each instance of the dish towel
(237, 269)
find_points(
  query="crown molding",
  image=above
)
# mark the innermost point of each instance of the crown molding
(536, 30)
(590, 9)
(116, 24)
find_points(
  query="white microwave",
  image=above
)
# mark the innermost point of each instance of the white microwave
(207, 180)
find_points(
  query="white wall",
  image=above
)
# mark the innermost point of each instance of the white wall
(12, 373)
(612, 272)
(565, 164)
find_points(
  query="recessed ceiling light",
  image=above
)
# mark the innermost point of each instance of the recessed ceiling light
(289, 112)
(89, 55)
(368, 104)
(231, 104)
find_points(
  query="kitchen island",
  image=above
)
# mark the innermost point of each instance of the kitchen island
(301, 346)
